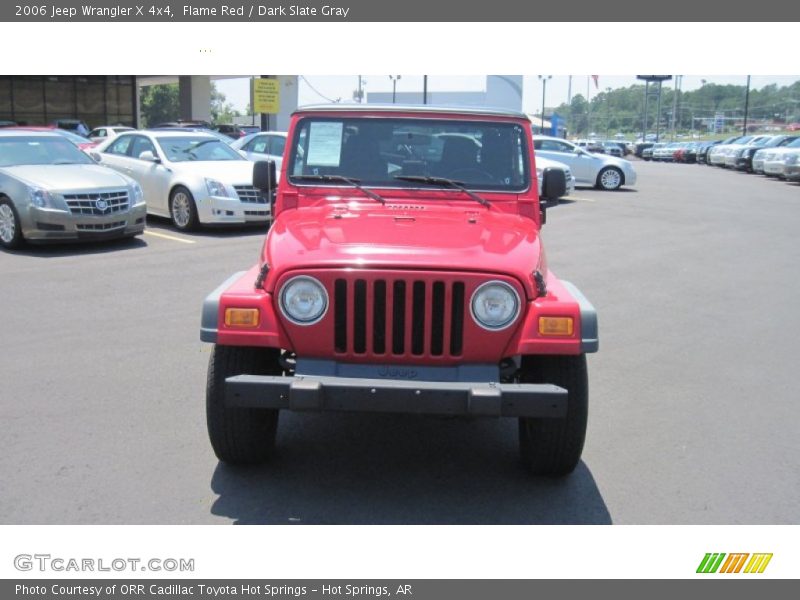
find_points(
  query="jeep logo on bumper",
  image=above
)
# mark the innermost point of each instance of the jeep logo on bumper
(397, 372)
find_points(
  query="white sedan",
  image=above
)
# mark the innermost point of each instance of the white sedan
(107, 132)
(600, 170)
(266, 145)
(190, 177)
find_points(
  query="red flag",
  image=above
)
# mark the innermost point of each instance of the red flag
(595, 77)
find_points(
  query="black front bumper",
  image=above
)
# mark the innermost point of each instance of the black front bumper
(315, 393)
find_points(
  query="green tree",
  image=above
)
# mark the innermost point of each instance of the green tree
(159, 103)
(222, 111)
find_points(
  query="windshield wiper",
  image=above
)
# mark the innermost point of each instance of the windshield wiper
(204, 142)
(446, 182)
(356, 183)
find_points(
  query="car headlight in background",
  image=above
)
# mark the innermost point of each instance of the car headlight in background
(792, 159)
(216, 188)
(136, 193)
(41, 198)
(495, 305)
(303, 300)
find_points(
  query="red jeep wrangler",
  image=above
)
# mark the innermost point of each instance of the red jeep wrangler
(404, 272)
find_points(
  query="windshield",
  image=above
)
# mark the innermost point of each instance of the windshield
(481, 155)
(196, 148)
(778, 140)
(31, 150)
(794, 144)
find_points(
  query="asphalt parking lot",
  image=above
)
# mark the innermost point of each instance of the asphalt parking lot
(693, 395)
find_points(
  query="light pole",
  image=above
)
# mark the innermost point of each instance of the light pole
(543, 79)
(746, 106)
(395, 79)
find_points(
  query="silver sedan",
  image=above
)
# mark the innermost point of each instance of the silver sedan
(600, 170)
(51, 191)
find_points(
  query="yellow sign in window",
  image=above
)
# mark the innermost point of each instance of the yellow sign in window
(266, 96)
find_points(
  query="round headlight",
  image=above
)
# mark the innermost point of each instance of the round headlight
(303, 300)
(495, 305)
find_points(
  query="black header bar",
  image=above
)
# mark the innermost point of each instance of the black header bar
(607, 11)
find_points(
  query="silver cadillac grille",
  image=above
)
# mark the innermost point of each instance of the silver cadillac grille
(97, 203)
(248, 193)
(99, 226)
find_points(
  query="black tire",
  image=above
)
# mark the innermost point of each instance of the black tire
(183, 221)
(16, 239)
(240, 436)
(610, 179)
(553, 446)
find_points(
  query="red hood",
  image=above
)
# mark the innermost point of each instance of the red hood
(453, 237)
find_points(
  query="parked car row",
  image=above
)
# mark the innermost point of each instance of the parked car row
(771, 155)
(56, 185)
(749, 153)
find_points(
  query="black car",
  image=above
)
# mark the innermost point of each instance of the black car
(701, 154)
(232, 131)
(641, 147)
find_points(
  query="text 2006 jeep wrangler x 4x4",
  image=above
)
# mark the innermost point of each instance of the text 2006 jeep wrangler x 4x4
(405, 273)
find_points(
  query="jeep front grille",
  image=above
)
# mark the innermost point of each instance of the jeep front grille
(398, 317)
(97, 203)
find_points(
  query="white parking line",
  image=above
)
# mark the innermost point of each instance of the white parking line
(169, 237)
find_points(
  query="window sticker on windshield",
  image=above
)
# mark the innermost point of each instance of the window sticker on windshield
(325, 144)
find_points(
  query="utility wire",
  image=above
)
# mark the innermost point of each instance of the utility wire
(317, 92)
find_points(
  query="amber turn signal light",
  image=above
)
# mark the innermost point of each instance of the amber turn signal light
(555, 325)
(241, 317)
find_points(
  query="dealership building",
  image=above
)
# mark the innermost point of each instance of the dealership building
(114, 99)
(97, 100)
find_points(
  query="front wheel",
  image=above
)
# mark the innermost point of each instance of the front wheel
(10, 229)
(553, 446)
(182, 209)
(609, 178)
(240, 435)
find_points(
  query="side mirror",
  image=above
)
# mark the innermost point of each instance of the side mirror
(95, 156)
(578, 150)
(554, 183)
(148, 155)
(264, 175)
